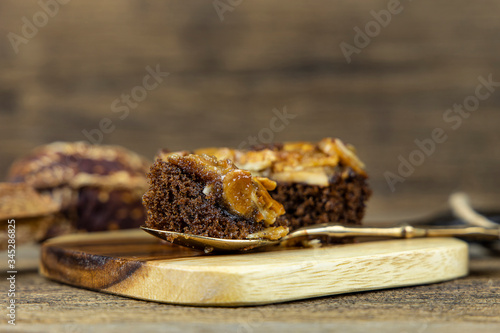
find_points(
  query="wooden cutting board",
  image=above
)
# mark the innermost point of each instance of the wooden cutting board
(135, 264)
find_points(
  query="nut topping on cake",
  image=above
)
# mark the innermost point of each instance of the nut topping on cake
(336, 147)
(294, 162)
(235, 189)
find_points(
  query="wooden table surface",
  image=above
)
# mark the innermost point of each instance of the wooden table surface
(465, 304)
(461, 305)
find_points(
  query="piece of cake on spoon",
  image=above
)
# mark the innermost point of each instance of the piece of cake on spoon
(200, 195)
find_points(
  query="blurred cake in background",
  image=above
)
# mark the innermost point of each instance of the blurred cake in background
(96, 187)
(26, 215)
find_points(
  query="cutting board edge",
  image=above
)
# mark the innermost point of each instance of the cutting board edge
(455, 251)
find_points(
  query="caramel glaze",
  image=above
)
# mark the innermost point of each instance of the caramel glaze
(294, 162)
(234, 189)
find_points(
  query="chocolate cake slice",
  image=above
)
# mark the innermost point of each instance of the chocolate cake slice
(200, 195)
(316, 182)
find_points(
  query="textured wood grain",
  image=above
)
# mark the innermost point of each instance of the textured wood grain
(465, 304)
(132, 263)
(226, 78)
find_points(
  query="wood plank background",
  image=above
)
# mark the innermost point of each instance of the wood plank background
(227, 76)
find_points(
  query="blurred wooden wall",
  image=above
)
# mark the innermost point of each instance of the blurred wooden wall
(227, 76)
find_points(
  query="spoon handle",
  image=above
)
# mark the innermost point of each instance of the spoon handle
(339, 231)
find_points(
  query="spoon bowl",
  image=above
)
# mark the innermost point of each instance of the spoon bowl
(211, 244)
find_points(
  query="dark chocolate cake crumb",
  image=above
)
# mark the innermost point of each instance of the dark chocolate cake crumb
(343, 201)
(175, 202)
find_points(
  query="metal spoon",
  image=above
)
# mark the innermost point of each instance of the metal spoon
(210, 244)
